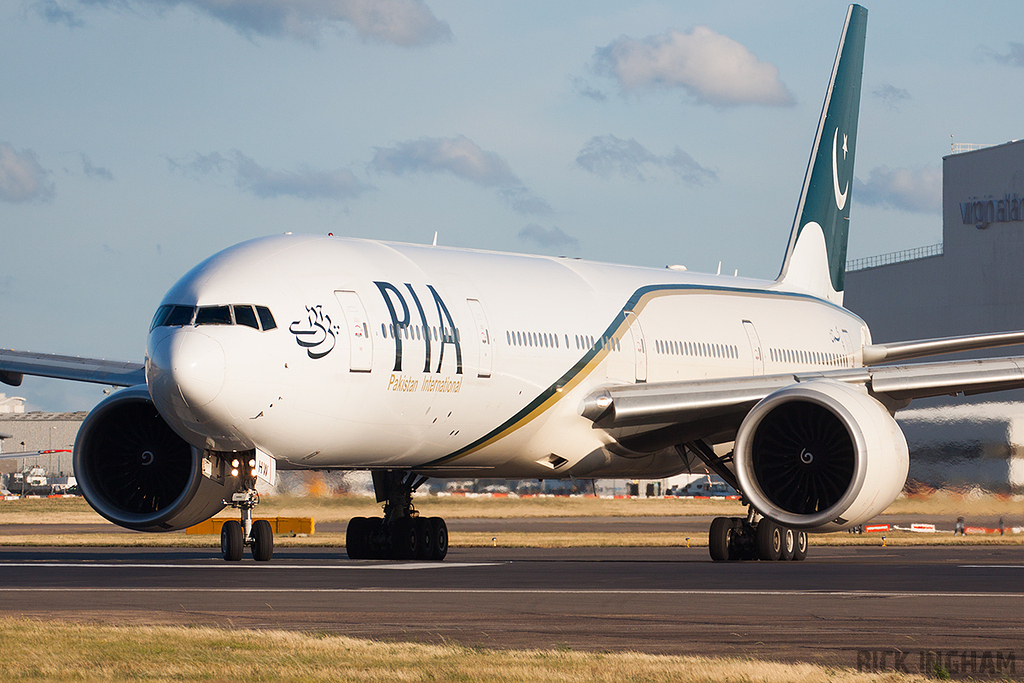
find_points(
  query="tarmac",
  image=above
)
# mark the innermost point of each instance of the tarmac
(833, 608)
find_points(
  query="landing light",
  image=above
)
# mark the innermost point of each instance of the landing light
(234, 473)
(252, 462)
(235, 463)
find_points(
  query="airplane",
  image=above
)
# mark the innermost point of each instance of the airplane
(416, 361)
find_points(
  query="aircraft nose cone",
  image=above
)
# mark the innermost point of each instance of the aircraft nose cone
(190, 362)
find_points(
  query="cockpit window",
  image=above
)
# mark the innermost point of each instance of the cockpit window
(160, 317)
(180, 315)
(213, 315)
(247, 315)
(244, 315)
(266, 319)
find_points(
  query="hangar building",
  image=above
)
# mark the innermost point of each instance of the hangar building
(973, 282)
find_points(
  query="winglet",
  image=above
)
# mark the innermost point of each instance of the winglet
(816, 257)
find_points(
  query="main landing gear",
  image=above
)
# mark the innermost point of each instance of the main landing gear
(739, 538)
(258, 535)
(402, 534)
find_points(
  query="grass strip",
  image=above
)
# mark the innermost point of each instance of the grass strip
(341, 508)
(58, 651)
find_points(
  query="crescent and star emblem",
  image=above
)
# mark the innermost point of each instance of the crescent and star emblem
(840, 196)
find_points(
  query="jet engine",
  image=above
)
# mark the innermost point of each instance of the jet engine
(135, 471)
(820, 456)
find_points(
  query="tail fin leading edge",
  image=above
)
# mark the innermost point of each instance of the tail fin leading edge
(816, 257)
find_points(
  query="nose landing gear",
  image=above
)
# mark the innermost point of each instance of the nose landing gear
(258, 535)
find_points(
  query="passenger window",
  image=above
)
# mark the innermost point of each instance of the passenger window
(244, 315)
(266, 319)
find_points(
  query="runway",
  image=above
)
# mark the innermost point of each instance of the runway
(662, 600)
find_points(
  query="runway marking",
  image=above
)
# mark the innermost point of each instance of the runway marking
(538, 591)
(990, 566)
(263, 566)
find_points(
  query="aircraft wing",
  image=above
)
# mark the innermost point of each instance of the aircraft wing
(14, 365)
(722, 404)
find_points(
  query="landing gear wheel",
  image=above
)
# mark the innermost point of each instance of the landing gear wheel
(406, 541)
(788, 544)
(402, 534)
(769, 540)
(800, 547)
(357, 538)
(262, 536)
(424, 538)
(719, 537)
(440, 546)
(231, 541)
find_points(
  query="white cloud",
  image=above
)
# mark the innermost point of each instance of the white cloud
(55, 13)
(712, 68)
(464, 159)
(459, 156)
(890, 94)
(95, 171)
(22, 179)
(918, 191)
(548, 238)
(605, 154)
(1015, 56)
(399, 22)
(306, 183)
(584, 89)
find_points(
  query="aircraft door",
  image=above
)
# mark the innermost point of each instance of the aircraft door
(755, 347)
(483, 337)
(358, 331)
(639, 346)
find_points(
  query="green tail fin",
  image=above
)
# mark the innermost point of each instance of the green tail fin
(816, 258)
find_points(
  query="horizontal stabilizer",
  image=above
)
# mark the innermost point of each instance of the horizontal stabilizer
(899, 351)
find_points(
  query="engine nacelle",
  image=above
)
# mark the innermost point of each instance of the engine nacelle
(820, 456)
(135, 471)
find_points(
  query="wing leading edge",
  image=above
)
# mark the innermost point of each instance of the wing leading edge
(14, 365)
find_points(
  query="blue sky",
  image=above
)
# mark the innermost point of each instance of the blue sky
(137, 138)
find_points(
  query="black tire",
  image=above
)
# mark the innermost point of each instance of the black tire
(788, 545)
(405, 542)
(262, 540)
(440, 544)
(424, 538)
(719, 537)
(741, 545)
(769, 540)
(356, 538)
(800, 547)
(231, 541)
(374, 547)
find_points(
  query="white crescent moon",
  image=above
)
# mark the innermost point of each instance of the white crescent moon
(840, 196)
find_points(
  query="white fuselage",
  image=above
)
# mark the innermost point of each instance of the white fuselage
(500, 395)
